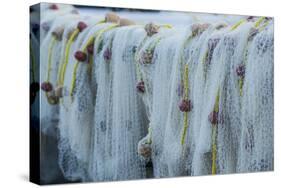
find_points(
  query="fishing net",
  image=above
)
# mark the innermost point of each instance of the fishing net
(49, 113)
(120, 119)
(256, 147)
(126, 101)
(76, 120)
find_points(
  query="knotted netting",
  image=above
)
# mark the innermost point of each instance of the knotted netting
(256, 149)
(120, 119)
(229, 129)
(76, 120)
(161, 80)
(133, 101)
(50, 54)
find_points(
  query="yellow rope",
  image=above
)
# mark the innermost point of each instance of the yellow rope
(217, 102)
(214, 149)
(73, 78)
(90, 40)
(101, 21)
(186, 87)
(235, 26)
(50, 54)
(259, 21)
(66, 56)
(168, 26)
(185, 126)
(68, 46)
(240, 83)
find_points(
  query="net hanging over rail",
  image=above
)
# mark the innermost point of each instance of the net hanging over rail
(126, 100)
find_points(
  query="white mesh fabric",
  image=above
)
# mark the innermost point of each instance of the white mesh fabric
(48, 17)
(76, 121)
(120, 120)
(192, 56)
(104, 125)
(256, 148)
(49, 113)
(229, 130)
(161, 84)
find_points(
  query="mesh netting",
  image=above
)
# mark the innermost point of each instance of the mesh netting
(256, 147)
(120, 119)
(76, 119)
(138, 100)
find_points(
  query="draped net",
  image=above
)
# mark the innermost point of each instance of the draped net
(155, 100)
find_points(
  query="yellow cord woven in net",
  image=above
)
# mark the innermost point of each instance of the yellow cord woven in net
(90, 40)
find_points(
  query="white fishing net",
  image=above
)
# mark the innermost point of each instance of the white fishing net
(120, 118)
(50, 55)
(193, 55)
(256, 147)
(143, 101)
(161, 80)
(76, 120)
(229, 130)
